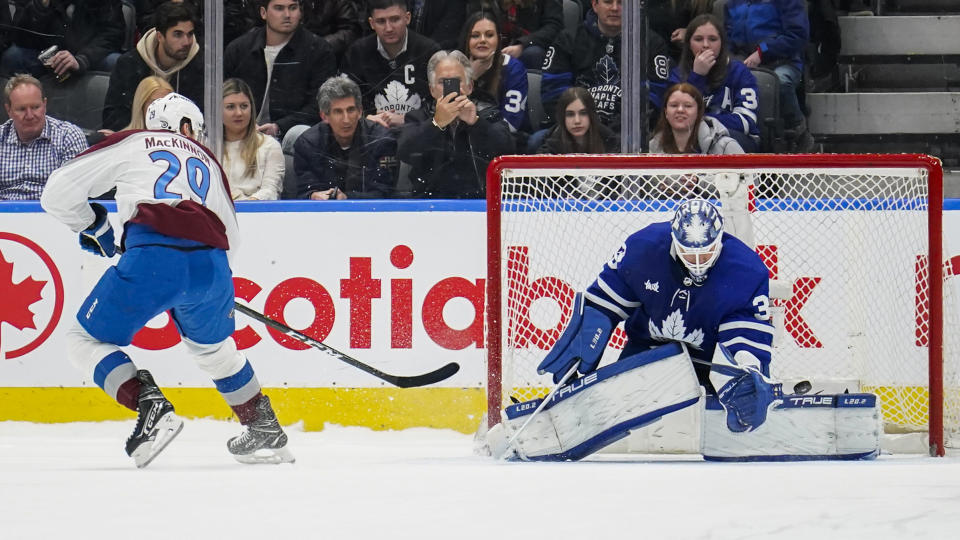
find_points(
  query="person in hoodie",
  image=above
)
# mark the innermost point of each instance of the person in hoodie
(89, 37)
(590, 58)
(685, 129)
(168, 50)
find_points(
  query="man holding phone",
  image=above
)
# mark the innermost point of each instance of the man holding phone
(449, 145)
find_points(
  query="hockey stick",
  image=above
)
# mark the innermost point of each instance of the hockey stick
(400, 381)
(801, 387)
(540, 407)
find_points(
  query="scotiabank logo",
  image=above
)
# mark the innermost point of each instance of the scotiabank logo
(31, 295)
(359, 290)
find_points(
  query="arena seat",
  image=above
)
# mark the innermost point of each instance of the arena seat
(769, 119)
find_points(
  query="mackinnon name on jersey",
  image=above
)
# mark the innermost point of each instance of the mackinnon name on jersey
(176, 142)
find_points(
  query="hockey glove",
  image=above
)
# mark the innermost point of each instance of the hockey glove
(747, 398)
(98, 238)
(583, 341)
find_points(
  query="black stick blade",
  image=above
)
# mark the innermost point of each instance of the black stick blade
(425, 379)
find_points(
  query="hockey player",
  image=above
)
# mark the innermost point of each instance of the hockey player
(683, 281)
(179, 234)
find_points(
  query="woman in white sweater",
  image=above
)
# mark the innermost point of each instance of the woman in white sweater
(253, 161)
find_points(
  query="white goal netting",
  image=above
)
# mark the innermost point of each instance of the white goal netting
(846, 240)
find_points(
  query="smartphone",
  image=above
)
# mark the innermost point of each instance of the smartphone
(451, 85)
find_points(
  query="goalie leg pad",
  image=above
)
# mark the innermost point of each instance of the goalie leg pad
(802, 427)
(603, 406)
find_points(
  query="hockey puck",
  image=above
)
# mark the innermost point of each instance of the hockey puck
(802, 387)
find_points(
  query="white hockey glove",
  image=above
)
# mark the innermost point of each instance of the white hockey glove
(98, 237)
(583, 341)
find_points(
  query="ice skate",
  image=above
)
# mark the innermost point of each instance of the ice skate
(157, 425)
(263, 441)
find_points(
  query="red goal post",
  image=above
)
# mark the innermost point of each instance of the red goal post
(855, 241)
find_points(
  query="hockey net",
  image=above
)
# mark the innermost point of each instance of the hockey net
(848, 240)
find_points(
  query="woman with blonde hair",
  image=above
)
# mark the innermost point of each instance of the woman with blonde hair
(149, 90)
(253, 162)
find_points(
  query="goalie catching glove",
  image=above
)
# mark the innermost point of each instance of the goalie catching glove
(98, 237)
(583, 341)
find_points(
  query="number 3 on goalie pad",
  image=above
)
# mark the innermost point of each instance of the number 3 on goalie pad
(603, 406)
(800, 428)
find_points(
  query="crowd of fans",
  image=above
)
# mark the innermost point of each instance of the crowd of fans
(374, 93)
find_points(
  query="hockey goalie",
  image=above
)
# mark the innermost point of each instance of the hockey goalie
(694, 304)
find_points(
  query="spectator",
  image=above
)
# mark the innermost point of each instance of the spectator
(499, 78)
(253, 162)
(728, 86)
(238, 16)
(333, 20)
(590, 58)
(529, 27)
(449, 145)
(169, 51)
(32, 144)
(439, 20)
(90, 37)
(580, 132)
(391, 65)
(684, 129)
(284, 64)
(346, 156)
(774, 34)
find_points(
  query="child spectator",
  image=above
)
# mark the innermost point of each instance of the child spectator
(684, 129)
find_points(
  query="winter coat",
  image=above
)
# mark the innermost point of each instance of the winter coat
(372, 165)
(95, 30)
(712, 139)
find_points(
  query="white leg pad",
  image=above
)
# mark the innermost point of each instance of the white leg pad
(603, 406)
(803, 427)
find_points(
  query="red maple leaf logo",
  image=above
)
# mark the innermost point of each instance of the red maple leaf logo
(17, 297)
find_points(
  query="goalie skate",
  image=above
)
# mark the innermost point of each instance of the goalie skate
(157, 425)
(263, 440)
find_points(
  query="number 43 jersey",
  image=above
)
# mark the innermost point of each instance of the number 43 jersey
(647, 286)
(164, 180)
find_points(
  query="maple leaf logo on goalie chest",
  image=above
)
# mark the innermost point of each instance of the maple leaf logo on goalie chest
(674, 328)
(396, 98)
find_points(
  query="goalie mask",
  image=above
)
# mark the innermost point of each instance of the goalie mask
(171, 111)
(696, 230)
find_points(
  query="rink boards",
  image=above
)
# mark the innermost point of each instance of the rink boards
(398, 285)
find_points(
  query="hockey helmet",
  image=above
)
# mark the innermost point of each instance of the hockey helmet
(172, 111)
(696, 230)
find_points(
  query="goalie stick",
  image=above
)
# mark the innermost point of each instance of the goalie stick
(400, 381)
(509, 445)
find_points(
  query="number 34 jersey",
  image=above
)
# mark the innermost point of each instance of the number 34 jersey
(164, 180)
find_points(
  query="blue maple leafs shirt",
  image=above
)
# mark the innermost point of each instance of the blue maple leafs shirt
(644, 284)
(590, 59)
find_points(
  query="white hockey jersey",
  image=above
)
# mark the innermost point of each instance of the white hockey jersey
(164, 180)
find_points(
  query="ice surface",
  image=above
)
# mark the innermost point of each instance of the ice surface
(75, 481)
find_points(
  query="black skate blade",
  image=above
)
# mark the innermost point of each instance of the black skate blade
(266, 456)
(167, 429)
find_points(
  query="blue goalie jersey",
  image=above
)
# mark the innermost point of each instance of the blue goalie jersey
(645, 285)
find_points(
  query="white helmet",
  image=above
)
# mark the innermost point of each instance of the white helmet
(171, 111)
(697, 229)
